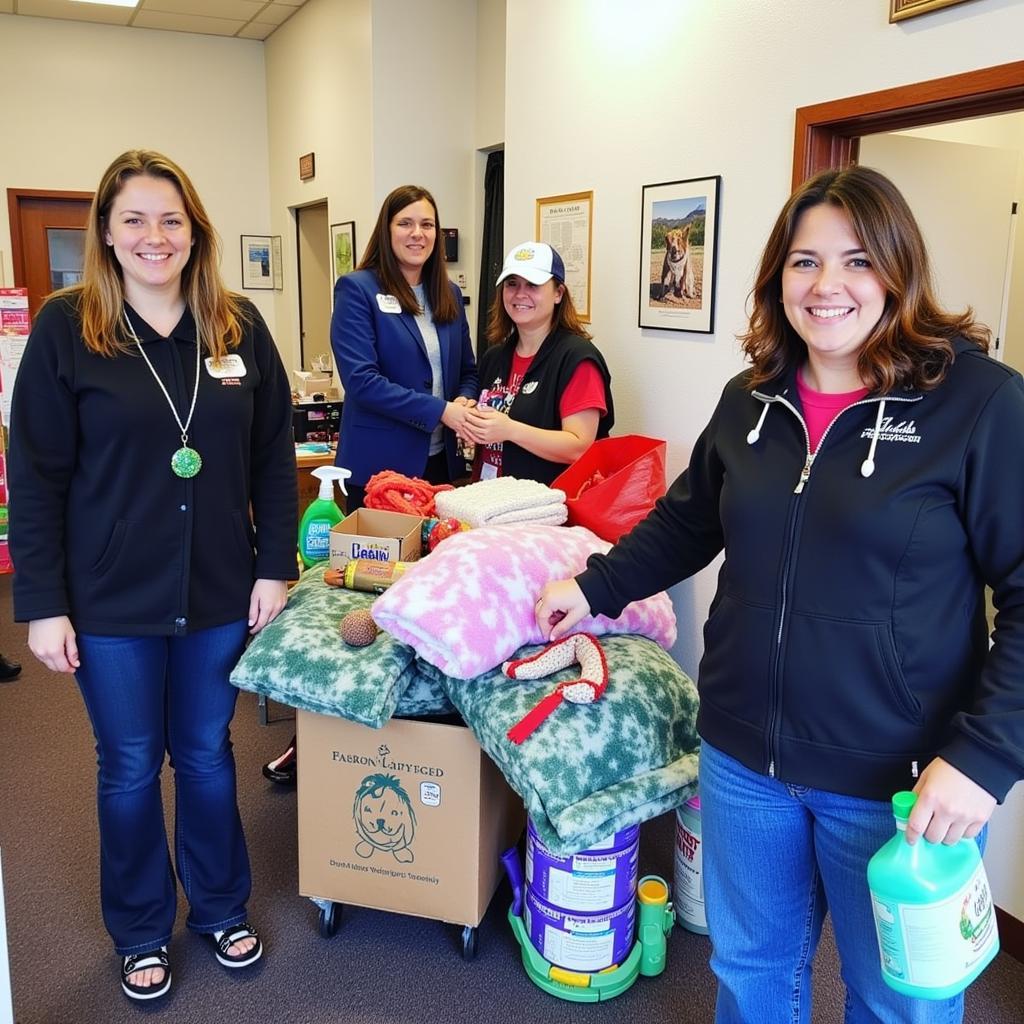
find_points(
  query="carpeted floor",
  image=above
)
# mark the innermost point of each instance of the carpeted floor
(379, 968)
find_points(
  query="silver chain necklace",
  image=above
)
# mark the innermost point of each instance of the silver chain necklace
(185, 462)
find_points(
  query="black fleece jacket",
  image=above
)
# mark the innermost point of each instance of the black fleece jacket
(101, 529)
(847, 644)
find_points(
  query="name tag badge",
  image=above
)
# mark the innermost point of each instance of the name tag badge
(229, 366)
(388, 304)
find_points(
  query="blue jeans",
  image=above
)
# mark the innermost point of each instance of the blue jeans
(147, 696)
(776, 857)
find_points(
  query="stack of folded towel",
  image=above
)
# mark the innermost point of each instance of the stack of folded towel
(503, 500)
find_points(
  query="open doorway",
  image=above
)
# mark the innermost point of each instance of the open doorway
(313, 245)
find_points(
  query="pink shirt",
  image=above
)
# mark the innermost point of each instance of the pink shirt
(821, 409)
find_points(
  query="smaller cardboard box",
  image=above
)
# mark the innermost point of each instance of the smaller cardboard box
(377, 535)
(411, 818)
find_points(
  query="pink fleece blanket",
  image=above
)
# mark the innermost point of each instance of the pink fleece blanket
(469, 605)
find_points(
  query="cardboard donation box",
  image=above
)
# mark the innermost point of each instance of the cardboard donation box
(377, 535)
(411, 818)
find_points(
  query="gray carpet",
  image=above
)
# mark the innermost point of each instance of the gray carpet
(379, 968)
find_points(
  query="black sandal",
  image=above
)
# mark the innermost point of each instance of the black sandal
(141, 962)
(224, 940)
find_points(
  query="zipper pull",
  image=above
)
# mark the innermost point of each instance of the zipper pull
(771, 768)
(804, 474)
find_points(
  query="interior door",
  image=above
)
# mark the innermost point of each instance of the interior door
(47, 239)
(962, 197)
(315, 286)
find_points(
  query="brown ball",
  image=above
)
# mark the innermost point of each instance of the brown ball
(358, 628)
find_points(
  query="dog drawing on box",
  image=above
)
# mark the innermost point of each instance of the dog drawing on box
(384, 818)
(677, 268)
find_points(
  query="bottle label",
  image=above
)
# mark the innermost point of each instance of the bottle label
(935, 945)
(689, 876)
(317, 544)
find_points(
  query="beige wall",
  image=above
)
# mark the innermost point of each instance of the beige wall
(78, 94)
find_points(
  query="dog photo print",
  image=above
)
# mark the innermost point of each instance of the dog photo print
(677, 255)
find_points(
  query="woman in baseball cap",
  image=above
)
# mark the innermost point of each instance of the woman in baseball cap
(546, 390)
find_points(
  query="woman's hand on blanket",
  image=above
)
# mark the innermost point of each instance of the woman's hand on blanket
(560, 606)
(267, 599)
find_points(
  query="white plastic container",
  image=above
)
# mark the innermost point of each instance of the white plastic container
(688, 893)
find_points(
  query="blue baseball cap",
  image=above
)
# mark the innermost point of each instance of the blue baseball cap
(535, 262)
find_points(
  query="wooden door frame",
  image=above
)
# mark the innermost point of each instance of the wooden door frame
(14, 197)
(828, 134)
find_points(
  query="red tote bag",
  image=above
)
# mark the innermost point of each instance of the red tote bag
(614, 484)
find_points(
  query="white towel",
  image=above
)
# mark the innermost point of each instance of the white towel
(503, 500)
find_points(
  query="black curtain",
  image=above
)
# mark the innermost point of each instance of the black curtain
(492, 253)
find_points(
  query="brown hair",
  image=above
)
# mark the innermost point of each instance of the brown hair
(380, 258)
(99, 296)
(911, 345)
(501, 328)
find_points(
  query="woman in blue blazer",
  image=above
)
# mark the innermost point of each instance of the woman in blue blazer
(401, 342)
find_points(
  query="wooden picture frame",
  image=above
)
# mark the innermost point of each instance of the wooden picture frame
(566, 223)
(677, 274)
(900, 10)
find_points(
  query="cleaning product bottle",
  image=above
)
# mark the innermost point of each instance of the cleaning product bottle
(689, 868)
(934, 916)
(322, 514)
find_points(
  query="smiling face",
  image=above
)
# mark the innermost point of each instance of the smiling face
(151, 236)
(413, 235)
(531, 307)
(831, 295)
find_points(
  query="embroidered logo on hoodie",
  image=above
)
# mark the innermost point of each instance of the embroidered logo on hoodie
(904, 431)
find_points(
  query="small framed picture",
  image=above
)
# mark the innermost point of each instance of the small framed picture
(258, 261)
(678, 249)
(343, 248)
(900, 9)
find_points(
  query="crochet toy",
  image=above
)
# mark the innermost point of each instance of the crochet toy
(393, 492)
(358, 628)
(593, 681)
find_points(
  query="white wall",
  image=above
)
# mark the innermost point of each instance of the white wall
(610, 96)
(319, 100)
(79, 94)
(490, 73)
(1005, 131)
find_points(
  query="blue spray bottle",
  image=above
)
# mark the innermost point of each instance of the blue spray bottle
(322, 514)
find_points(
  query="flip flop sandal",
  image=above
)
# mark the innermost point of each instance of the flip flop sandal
(141, 962)
(224, 940)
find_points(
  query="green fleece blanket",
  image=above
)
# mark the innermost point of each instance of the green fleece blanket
(591, 769)
(301, 660)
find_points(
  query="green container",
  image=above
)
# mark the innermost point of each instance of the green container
(934, 916)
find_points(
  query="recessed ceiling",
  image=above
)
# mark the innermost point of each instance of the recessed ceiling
(246, 19)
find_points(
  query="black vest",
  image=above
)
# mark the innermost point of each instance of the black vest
(550, 372)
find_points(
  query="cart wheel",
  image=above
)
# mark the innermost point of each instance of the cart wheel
(469, 942)
(330, 917)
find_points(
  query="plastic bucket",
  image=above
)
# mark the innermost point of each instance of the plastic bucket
(578, 941)
(592, 881)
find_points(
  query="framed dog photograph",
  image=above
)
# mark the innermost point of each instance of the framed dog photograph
(678, 247)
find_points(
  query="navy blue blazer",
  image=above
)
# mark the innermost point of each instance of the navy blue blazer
(389, 410)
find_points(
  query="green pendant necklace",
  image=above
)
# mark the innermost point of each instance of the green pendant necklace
(185, 462)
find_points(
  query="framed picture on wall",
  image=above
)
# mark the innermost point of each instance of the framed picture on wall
(900, 9)
(566, 223)
(678, 249)
(257, 261)
(343, 248)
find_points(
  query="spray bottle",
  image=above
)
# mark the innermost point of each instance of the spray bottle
(322, 514)
(934, 915)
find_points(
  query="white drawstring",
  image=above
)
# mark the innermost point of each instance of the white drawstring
(755, 434)
(867, 467)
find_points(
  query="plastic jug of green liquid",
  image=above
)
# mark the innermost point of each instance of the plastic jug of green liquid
(934, 916)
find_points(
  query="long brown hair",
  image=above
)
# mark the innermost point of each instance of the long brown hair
(911, 345)
(380, 258)
(99, 296)
(501, 327)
